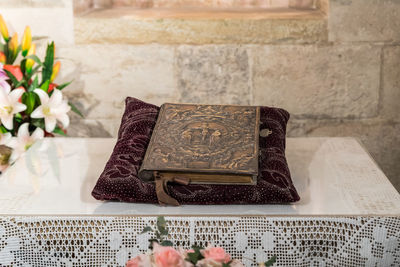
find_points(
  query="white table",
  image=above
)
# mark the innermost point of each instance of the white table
(349, 213)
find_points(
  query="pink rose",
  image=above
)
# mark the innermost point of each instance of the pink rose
(139, 261)
(216, 253)
(167, 256)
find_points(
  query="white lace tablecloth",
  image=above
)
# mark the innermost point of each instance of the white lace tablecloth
(348, 215)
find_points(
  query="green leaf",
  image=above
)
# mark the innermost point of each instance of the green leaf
(166, 243)
(18, 117)
(270, 262)
(38, 123)
(3, 129)
(12, 77)
(158, 235)
(58, 130)
(45, 86)
(75, 109)
(48, 62)
(195, 256)
(14, 80)
(62, 86)
(6, 52)
(29, 99)
(163, 231)
(162, 225)
(22, 65)
(34, 84)
(36, 59)
(13, 57)
(34, 70)
(146, 229)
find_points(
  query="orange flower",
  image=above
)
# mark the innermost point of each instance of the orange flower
(2, 58)
(51, 87)
(15, 70)
(56, 69)
(3, 29)
(26, 41)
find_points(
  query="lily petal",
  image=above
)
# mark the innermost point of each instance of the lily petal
(23, 131)
(13, 143)
(37, 134)
(56, 98)
(44, 97)
(5, 86)
(18, 107)
(62, 108)
(38, 113)
(16, 94)
(14, 155)
(64, 119)
(50, 123)
(7, 121)
(4, 100)
(5, 138)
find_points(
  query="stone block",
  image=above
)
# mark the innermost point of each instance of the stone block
(175, 26)
(51, 19)
(36, 3)
(318, 81)
(364, 20)
(213, 74)
(104, 75)
(381, 139)
(82, 6)
(390, 103)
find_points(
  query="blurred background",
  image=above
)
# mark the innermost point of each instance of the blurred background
(333, 64)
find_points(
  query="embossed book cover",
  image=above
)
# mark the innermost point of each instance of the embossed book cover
(204, 144)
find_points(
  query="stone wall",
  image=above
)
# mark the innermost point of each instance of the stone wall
(82, 5)
(342, 79)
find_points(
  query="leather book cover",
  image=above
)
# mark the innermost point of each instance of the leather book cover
(206, 144)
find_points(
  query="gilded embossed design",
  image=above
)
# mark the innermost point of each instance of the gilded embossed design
(206, 137)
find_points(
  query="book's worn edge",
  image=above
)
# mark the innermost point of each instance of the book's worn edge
(145, 171)
(143, 168)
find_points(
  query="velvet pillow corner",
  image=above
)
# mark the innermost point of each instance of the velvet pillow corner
(119, 179)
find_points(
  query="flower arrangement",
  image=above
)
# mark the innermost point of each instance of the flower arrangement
(31, 103)
(162, 253)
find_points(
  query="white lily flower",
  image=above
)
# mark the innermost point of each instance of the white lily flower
(52, 109)
(10, 105)
(24, 140)
(5, 138)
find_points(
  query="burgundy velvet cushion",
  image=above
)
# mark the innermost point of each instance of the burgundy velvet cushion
(119, 179)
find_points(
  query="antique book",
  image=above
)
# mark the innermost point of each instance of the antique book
(206, 144)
